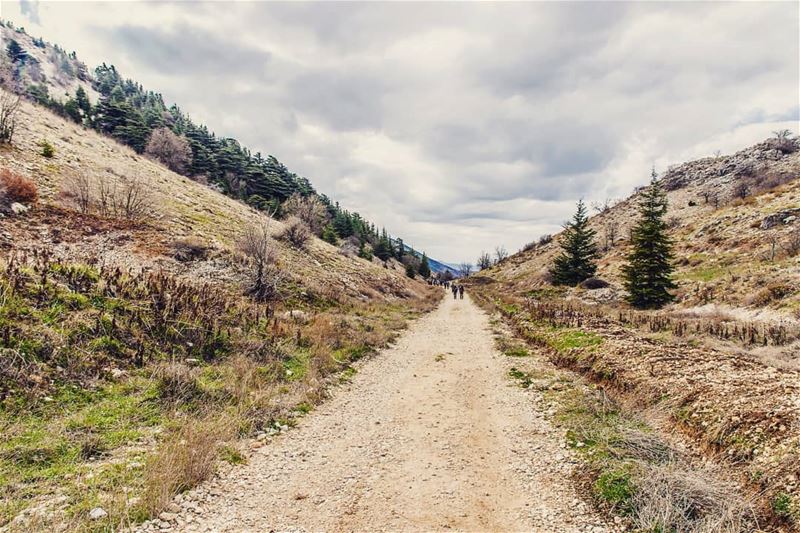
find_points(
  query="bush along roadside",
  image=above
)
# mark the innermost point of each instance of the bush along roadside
(119, 390)
(629, 469)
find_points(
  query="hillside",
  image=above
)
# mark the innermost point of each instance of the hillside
(124, 332)
(105, 101)
(719, 237)
(720, 365)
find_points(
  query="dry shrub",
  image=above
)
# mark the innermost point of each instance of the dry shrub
(265, 276)
(79, 190)
(17, 188)
(296, 232)
(177, 382)
(128, 198)
(189, 249)
(647, 447)
(185, 458)
(673, 497)
(9, 106)
(243, 377)
(770, 293)
(594, 283)
(309, 209)
(792, 243)
(170, 149)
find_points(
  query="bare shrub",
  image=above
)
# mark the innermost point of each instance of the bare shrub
(78, 189)
(132, 200)
(296, 232)
(170, 149)
(128, 198)
(500, 254)
(9, 106)
(741, 190)
(484, 260)
(16, 188)
(770, 293)
(545, 239)
(792, 243)
(184, 459)
(611, 232)
(784, 141)
(309, 209)
(605, 205)
(265, 275)
(464, 269)
(189, 249)
(673, 497)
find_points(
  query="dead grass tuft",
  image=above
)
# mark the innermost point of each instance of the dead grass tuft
(17, 188)
(672, 497)
(185, 458)
(177, 382)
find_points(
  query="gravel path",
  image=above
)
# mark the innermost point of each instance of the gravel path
(429, 435)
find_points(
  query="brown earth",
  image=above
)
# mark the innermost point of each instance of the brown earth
(429, 435)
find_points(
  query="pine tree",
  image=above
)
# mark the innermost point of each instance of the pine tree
(648, 274)
(424, 268)
(410, 270)
(383, 250)
(329, 234)
(579, 251)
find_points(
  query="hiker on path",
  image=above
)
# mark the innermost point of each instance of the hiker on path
(461, 291)
(455, 291)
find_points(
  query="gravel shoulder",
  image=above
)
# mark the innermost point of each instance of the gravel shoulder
(429, 435)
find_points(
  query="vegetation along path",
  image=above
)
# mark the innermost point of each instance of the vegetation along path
(429, 435)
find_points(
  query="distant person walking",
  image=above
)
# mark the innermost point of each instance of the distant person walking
(455, 291)
(461, 291)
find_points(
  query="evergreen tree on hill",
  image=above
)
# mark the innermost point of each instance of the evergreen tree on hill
(579, 251)
(383, 249)
(648, 273)
(424, 268)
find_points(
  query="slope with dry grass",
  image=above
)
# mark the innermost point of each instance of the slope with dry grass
(720, 364)
(135, 352)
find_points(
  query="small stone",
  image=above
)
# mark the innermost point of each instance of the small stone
(18, 208)
(97, 513)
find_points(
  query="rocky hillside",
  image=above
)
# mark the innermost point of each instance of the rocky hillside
(736, 226)
(718, 369)
(144, 315)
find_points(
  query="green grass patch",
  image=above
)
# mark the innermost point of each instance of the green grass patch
(567, 339)
(296, 367)
(615, 487)
(231, 455)
(517, 351)
(347, 374)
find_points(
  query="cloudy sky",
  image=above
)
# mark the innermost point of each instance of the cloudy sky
(457, 126)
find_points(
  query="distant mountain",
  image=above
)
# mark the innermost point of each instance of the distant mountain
(437, 267)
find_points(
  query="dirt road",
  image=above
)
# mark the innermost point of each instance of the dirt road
(429, 435)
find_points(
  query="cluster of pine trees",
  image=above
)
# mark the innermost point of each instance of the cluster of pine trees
(131, 114)
(648, 270)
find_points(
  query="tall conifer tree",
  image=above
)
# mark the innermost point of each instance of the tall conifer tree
(579, 251)
(648, 274)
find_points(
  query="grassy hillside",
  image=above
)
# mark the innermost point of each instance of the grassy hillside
(720, 365)
(134, 358)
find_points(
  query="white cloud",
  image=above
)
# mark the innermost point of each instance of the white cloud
(458, 126)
